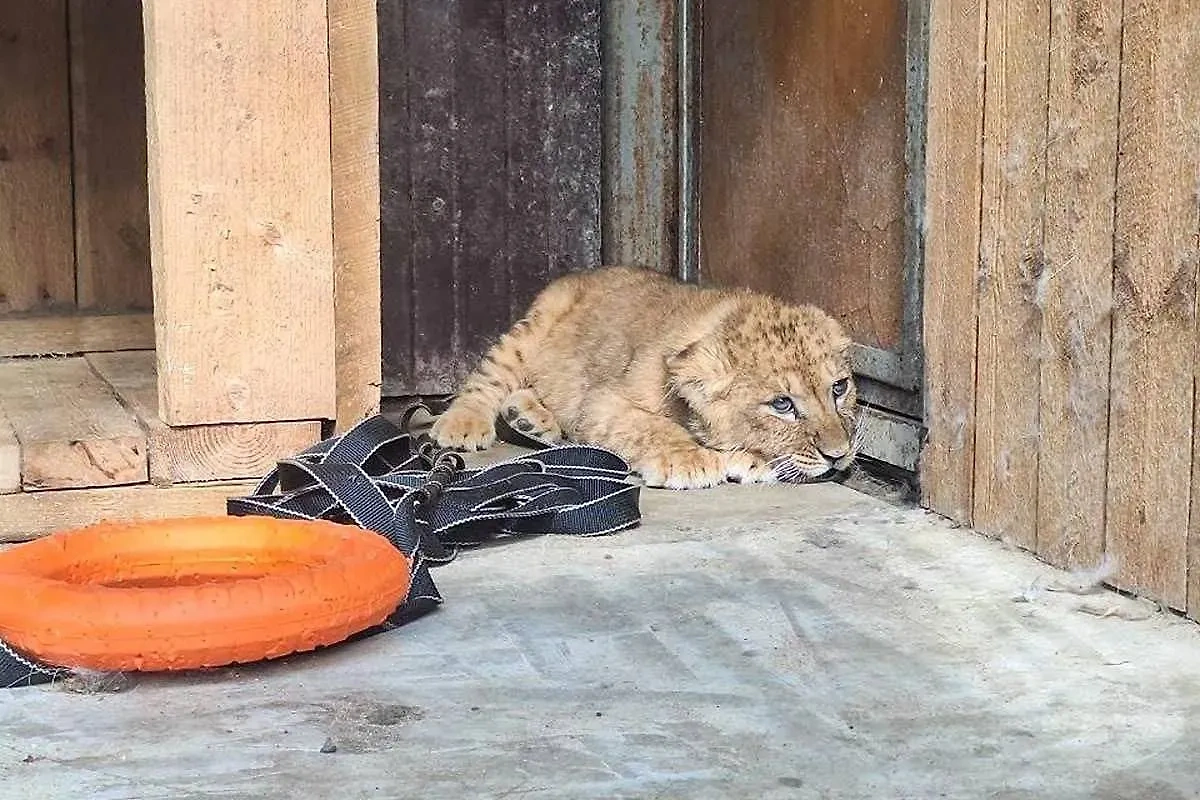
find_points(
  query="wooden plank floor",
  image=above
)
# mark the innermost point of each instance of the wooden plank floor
(81, 440)
(28, 515)
(74, 334)
(198, 452)
(72, 431)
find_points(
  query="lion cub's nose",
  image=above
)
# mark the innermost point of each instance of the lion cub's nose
(833, 454)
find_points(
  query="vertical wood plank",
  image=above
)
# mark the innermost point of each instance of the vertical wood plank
(1085, 57)
(572, 83)
(527, 123)
(1187, 112)
(953, 191)
(354, 142)
(483, 276)
(108, 117)
(395, 200)
(1011, 270)
(36, 241)
(240, 209)
(432, 46)
(553, 108)
(1154, 290)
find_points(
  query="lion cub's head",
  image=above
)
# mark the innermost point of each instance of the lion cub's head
(774, 380)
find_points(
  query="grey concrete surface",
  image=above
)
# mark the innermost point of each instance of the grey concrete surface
(759, 642)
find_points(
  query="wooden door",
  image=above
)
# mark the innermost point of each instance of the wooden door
(804, 190)
(489, 171)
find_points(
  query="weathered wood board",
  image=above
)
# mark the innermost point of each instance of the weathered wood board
(1076, 290)
(75, 333)
(72, 431)
(354, 113)
(108, 116)
(191, 453)
(240, 209)
(952, 231)
(1012, 272)
(490, 172)
(37, 250)
(31, 514)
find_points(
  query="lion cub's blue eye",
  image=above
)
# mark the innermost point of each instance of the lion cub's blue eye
(841, 387)
(783, 405)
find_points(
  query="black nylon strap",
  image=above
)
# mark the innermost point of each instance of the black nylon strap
(381, 478)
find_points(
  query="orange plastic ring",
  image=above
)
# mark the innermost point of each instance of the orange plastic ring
(195, 592)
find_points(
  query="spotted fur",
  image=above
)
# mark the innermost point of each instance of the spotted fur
(692, 386)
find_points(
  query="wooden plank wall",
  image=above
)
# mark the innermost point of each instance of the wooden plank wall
(1011, 270)
(108, 119)
(37, 268)
(953, 143)
(73, 218)
(354, 142)
(1063, 242)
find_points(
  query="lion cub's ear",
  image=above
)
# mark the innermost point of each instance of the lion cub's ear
(700, 371)
(842, 345)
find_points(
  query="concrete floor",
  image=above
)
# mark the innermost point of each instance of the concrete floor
(758, 642)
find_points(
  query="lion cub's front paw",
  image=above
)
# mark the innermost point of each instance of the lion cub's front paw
(700, 468)
(690, 468)
(464, 428)
(745, 468)
(525, 413)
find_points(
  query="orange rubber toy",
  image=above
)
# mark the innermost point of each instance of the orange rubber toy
(195, 592)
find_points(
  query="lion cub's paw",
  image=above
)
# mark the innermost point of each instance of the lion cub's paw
(464, 428)
(693, 468)
(745, 468)
(525, 413)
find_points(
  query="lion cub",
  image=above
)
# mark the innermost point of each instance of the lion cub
(691, 386)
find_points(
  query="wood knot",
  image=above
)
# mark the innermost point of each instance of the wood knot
(238, 393)
(271, 235)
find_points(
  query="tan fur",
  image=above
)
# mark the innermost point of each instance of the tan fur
(676, 379)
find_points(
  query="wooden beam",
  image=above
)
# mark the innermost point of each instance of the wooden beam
(10, 458)
(354, 117)
(952, 209)
(201, 452)
(1154, 352)
(1085, 58)
(890, 438)
(73, 432)
(31, 514)
(1012, 271)
(36, 241)
(240, 209)
(108, 114)
(70, 335)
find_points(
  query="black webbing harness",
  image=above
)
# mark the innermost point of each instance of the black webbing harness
(380, 477)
